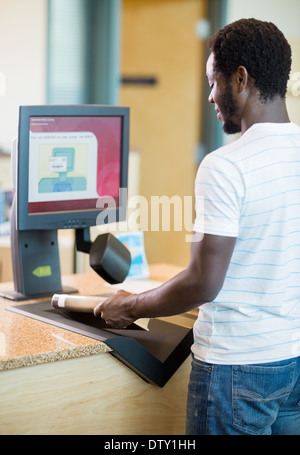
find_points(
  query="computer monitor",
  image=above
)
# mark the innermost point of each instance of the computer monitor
(68, 163)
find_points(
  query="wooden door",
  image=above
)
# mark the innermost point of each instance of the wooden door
(160, 46)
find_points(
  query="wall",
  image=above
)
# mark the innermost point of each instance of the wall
(23, 58)
(159, 40)
(23, 28)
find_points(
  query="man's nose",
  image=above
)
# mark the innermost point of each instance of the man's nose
(211, 98)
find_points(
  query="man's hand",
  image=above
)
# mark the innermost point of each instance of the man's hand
(117, 311)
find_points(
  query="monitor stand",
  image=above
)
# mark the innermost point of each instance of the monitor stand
(36, 264)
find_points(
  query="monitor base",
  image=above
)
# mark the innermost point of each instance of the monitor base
(17, 296)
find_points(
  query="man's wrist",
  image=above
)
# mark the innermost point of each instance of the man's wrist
(136, 307)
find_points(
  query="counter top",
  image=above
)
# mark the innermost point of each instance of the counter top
(25, 341)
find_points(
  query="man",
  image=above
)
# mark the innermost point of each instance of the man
(245, 268)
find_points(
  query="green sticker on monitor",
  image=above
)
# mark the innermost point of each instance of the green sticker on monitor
(42, 271)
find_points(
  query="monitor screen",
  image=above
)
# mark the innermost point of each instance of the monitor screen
(69, 159)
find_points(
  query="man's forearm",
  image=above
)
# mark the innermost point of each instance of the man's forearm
(178, 295)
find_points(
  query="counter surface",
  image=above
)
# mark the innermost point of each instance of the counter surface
(26, 342)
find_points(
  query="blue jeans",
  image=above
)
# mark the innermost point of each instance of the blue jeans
(259, 399)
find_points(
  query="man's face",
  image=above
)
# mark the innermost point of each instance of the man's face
(222, 97)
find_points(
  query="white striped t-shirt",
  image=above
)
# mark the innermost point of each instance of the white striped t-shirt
(251, 191)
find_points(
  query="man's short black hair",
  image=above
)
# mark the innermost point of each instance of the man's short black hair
(258, 46)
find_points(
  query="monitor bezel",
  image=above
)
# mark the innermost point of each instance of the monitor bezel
(72, 219)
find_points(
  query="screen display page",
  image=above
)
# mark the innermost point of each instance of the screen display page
(73, 161)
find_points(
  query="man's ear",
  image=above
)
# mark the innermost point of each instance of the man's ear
(242, 78)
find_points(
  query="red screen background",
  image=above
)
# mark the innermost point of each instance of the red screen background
(108, 132)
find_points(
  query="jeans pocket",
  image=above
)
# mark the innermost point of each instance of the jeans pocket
(258, 392)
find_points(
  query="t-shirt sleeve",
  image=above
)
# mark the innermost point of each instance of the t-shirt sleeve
(219, 195)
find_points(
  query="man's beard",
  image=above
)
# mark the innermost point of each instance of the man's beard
(228, 110)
